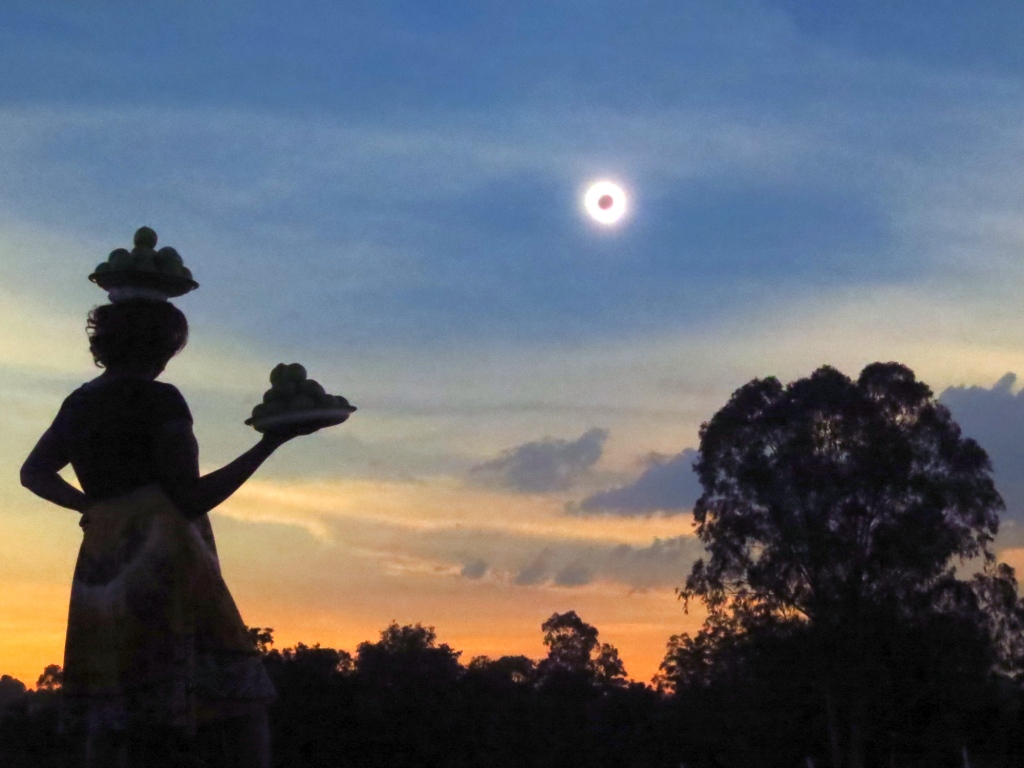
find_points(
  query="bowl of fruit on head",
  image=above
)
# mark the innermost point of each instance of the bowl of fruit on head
(144, 272)
(295, 399)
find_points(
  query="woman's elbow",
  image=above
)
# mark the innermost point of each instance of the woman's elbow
(29, 477)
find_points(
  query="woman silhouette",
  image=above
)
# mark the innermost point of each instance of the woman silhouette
(156, 651)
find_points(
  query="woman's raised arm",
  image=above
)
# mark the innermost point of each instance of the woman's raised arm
(178, 459)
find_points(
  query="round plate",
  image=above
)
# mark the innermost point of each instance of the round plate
(333, 415)
(171, 286)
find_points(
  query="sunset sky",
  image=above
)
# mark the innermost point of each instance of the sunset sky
(390, 193)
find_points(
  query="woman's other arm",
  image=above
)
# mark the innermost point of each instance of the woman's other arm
(40, 473)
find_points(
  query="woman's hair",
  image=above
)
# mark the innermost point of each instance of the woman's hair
(136, 334)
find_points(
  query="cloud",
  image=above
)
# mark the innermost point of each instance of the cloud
(994, 417)
(573, 575)
(475, 569)
(536, 571)
(663, 563)
(668, 485)
(543, 466)
(470, 534)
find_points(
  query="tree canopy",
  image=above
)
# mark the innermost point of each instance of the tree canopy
(835, 514)
(828, 494)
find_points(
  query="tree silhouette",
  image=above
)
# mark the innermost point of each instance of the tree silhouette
(833, 512)
(52, 678)
(262, 638)
(573, 648)
(11, 690)
(408, 655)
(506, 670)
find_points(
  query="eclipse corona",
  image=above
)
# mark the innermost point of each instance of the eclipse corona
(605, 202)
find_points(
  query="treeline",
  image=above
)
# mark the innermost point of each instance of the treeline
(408, 701)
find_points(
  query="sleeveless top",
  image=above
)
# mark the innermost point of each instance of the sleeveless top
(109, 428)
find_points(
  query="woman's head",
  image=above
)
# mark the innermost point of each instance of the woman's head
(136, 335)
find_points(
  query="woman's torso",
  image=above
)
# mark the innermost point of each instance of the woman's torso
(111, 427)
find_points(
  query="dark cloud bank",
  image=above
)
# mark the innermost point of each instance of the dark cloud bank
(543, 466)
(668, 485)
(995, 418)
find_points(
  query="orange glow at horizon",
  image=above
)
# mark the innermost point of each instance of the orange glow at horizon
(495, 622)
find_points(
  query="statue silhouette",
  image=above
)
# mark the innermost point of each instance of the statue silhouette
(156, 649)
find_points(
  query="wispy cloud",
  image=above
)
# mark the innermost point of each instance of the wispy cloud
(477, 533)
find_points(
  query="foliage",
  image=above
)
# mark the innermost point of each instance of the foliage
(573, 649)
(827, 494)
(835, 514)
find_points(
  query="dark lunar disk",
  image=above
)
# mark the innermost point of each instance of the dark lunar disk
(604, 202)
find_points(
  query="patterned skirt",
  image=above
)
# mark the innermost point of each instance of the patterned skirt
(154, 638)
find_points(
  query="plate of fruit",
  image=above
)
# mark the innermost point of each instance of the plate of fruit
(144, 271)
(293, 398)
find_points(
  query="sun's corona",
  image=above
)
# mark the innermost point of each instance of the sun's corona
(605, 202)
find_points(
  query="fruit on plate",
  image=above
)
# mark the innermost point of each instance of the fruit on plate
(292, 396)
(144, 266)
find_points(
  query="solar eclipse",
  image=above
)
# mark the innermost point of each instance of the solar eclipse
(605, 202)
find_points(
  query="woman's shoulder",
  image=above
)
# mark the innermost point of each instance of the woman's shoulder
(80, 393)
(170, 402)
(165, 389)
(162, 400)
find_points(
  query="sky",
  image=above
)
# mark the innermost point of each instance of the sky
(390, 193)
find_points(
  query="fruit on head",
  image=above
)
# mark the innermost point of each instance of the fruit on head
(144, 262)
(145, 237)
(168, 261)
(167, 268)
(170, 255)
(120, 259)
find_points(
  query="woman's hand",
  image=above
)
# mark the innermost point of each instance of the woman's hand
(280, 435)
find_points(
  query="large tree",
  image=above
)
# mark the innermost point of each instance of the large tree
(840, 508)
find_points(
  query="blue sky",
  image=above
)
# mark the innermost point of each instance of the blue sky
(389, 192)
(431, 154)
